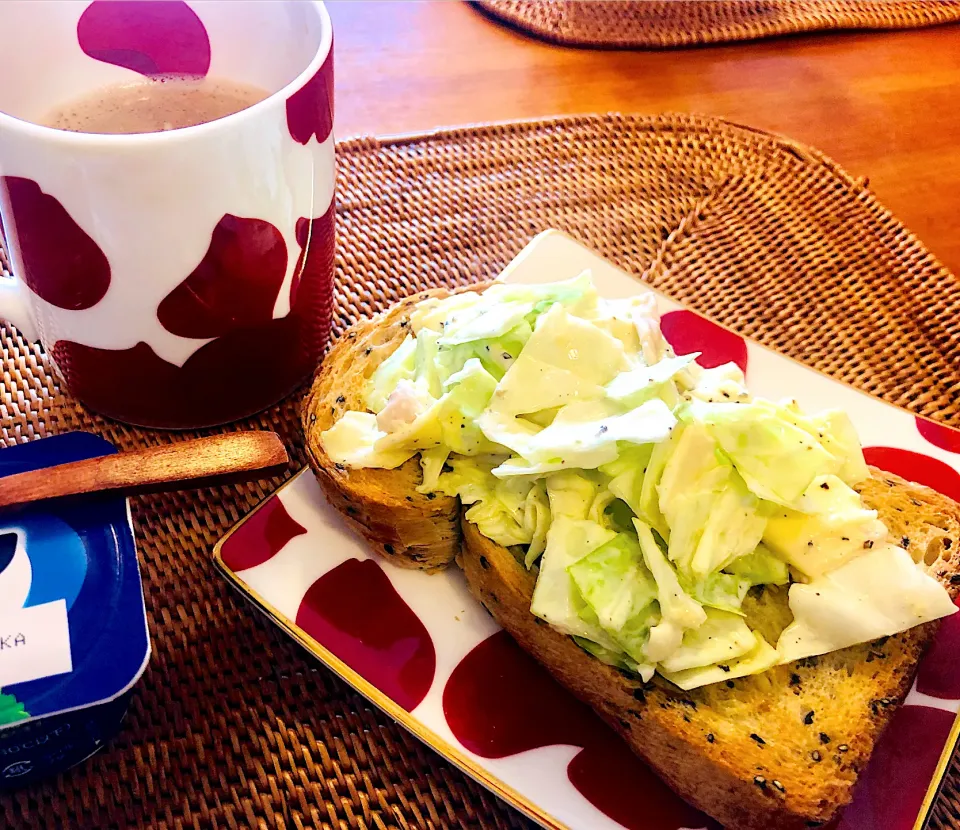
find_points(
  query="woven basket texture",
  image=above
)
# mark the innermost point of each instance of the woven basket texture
(659, 24)
(232, 725)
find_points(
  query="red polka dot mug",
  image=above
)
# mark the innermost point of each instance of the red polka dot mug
(181, 278)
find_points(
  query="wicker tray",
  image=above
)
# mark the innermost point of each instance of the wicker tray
(658, 24)
(232, 726)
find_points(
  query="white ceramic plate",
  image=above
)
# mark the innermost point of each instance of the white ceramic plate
(425, 652)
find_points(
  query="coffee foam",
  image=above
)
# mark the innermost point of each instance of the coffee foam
(164, 103)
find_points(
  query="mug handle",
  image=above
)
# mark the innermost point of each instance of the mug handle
(13, 306)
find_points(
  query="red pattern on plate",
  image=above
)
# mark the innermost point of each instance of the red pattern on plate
(152, 37)
(231, 377)
(235, 285)
(499, 702)
(915, 466)
(310, 108)
(939, 435)
(261, 538)
(61, 263)
(688, 332)
(891, 789)
(939, 674)
(355, 612)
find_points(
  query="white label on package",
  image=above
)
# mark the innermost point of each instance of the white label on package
(34, 643)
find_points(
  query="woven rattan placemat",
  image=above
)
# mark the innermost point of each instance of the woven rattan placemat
(658, 24)
(232, 726)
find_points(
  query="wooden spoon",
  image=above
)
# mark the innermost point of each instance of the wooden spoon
(199, 458)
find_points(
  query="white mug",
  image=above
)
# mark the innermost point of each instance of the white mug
(178, 279)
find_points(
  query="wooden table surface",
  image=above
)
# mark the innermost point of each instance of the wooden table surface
(885, 105)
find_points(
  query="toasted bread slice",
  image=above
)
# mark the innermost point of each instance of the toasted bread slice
(781, 749)
(410, 529)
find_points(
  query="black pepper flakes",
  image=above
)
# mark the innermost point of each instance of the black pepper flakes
(824, 738)
(905, 542)
(758, 739)
(710, 738)
(808, 718)
(824, 486)
(404, 323)
(723, 667)
(731, 684)
(868, 544)
(603, 429)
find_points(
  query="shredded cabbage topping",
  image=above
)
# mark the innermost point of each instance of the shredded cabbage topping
(657, 500)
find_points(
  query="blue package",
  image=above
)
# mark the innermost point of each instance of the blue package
(73, 628)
